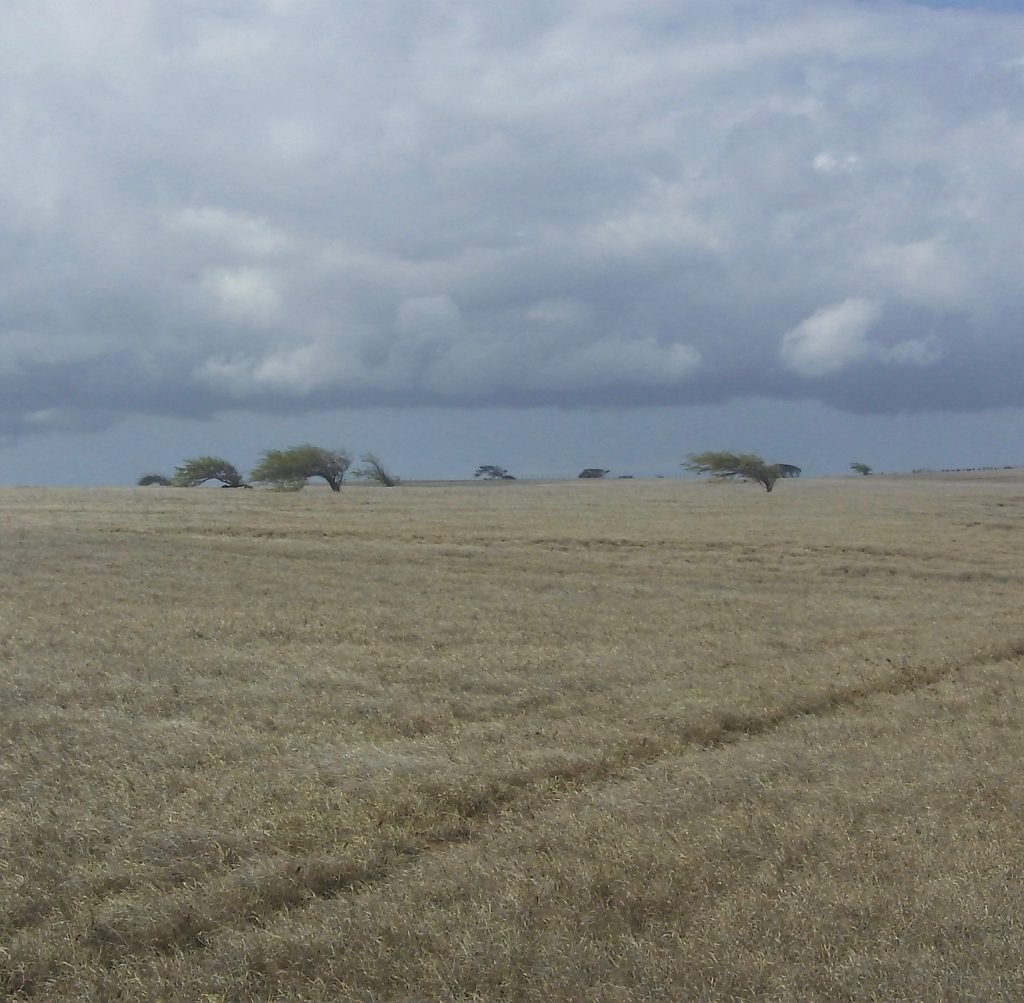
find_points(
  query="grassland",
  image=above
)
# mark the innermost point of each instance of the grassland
(588, 741)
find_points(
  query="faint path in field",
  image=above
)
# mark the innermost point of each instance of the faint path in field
(251, 896)
(188, 925)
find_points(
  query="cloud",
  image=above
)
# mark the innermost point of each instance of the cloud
(244, 235)
(617, 361)
(827, 162)
(290, 205)
(296, 370)
(23, 351)
(831, 338)
(931, 272)
(429, 318)
(837, 336)
(245, 295)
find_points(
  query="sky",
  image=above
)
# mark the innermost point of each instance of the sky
(542, 234)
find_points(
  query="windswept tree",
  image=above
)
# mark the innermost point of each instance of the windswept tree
(146, 479)
(201, 469)
(373, 470)
(489, 472)
(861, 468)
(291, 468)
(746, 466)
(592, 473)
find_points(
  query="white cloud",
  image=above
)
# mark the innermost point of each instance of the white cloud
(827, 162)
(924, 271)
(236, 231)
(295, 370)
(837, 336)
(831, 338)
(662, 218)
(244, 295)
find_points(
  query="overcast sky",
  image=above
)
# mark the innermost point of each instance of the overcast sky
(546, 234)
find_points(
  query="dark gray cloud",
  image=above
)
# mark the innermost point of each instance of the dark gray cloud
(285, 206)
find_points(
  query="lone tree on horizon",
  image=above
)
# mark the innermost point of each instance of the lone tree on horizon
(746, 466)
(490, 472)
(861, 468)
(159, 479)
(291, 468)
(201, 469)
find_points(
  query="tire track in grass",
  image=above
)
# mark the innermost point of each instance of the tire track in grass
(251, 896)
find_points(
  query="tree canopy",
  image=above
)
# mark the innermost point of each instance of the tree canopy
(746, 466)
(590, 473)
(146, 479)
(293, 467)
(201, 469)
(861, 468)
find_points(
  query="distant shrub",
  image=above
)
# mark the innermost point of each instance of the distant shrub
(374, 471)
(492, 472)
(146, 479)
(201, 469)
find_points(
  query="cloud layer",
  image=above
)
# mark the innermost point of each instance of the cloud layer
(292, 205)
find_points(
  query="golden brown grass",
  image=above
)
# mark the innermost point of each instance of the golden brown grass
(585, 741)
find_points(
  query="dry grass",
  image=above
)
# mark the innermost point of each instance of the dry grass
(604, 741)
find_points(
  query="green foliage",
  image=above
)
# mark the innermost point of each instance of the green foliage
(373, 470)
(293, 467)
(747, 466)
(490, 472)
(146, 479)
(861, 468)
(201, 469)
(592, 473)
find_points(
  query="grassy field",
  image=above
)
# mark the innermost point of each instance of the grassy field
(565, 742)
